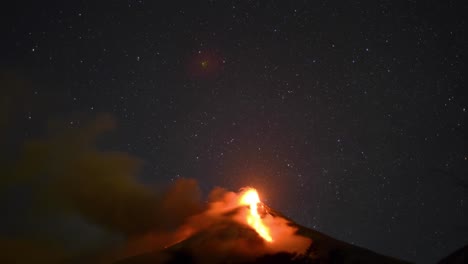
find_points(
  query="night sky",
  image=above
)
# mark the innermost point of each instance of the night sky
(350, 118)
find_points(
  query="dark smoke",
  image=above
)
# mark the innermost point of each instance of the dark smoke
(65, 175)
(71, 175)
(66, 200)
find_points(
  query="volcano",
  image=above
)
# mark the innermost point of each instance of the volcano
(252, 232)
(223, 244)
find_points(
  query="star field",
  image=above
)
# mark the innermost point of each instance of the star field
(350, 118)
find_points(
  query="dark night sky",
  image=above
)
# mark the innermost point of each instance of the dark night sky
(348, 117)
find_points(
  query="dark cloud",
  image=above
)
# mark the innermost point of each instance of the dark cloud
(65, 173)
(70, 200)
(29, 251)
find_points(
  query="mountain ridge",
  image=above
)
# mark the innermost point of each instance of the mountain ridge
(224, 242)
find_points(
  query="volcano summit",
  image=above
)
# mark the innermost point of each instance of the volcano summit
(239, 228)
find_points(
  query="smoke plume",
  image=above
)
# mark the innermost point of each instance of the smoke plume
(65, 173)
(66, 199)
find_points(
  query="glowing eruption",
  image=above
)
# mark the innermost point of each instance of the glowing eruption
(250, 198)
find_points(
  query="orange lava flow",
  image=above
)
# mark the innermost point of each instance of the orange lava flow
(250, 197)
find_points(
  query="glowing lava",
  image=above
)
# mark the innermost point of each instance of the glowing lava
(250, 198)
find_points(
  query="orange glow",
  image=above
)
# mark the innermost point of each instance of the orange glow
(250, 197)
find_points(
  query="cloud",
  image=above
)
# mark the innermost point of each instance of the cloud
(29, 251)
(74, 175)
(64, 198)
(65, 173)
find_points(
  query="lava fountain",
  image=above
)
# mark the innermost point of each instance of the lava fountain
(250, 198)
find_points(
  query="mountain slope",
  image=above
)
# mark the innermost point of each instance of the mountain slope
(233, 242)
(460, 256)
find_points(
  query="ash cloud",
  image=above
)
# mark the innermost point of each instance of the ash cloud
(64, 175)
(70, 174)
(66, 200)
